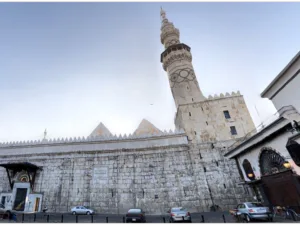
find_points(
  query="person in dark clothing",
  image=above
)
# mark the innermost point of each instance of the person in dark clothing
(11, 216)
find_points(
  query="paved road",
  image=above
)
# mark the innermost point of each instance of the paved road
(209, 217)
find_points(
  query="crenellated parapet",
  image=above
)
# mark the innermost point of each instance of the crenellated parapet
(88, 139)
(226, 95)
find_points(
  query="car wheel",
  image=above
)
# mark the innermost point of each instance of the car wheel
(74, 213)
(88, 213)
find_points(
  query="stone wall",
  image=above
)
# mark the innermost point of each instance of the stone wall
(205, 121)
(154, 178)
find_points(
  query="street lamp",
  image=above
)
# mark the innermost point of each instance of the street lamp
(287, 165)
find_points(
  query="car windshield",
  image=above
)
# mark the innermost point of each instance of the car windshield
(178, 209)
(254, 204)
(134, 210)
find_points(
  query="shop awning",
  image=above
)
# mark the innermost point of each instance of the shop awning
(30, 168)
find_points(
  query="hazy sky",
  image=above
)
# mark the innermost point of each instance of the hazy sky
(68, 66)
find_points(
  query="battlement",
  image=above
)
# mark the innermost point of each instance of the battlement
(226, 95)
(104, 138)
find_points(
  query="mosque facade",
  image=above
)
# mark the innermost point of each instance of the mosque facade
(150, 168)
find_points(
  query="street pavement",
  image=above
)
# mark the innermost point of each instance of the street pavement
(209, 217)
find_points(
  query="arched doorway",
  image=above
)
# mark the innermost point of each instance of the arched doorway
(270, 162)
(248, 169)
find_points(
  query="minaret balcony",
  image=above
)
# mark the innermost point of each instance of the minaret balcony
(174, 48)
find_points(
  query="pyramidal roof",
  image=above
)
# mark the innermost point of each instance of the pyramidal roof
(146, 127)
(101, 130)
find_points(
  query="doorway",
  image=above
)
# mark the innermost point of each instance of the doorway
(20, 199)
(37, 204)
(3, 200)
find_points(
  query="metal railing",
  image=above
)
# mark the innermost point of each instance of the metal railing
(215, 217)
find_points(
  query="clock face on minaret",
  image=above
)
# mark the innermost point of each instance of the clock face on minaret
(177, 61)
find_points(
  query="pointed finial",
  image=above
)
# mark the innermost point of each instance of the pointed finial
(162, 14)
(45, 134)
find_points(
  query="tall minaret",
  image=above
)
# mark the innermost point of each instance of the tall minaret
(177, 61)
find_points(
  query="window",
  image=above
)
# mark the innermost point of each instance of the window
(204, 169)
(242, 206)
(226, 114)
(178, 209)
(195, 132)
(192, 99)
(134, 211)
(224, 186)
(233, 130)
(190, 114)
(254, 204)
(206, 123)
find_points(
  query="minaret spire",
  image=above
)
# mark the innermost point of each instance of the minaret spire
(177, 61)
(162, 14)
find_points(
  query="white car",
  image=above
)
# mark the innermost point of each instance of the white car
(82, 210)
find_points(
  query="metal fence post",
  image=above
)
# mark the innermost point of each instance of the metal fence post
(203, 221)
(293, 216)
(34, 217)
(48, 218)
(164, 219)
(107, 219)
(123, 219)
(224, 219)
(92, 218)
(76, 218)
(62, 218)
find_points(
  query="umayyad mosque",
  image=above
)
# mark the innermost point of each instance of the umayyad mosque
(151, 168)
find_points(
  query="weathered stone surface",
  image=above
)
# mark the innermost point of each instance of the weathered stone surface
(111, 182)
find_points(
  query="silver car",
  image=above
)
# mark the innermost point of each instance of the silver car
(82, 210)
(179, 214)
(253, 210)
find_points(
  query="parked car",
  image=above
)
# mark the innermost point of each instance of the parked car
(179, 214)
(82, 210)
(252, 211)
(135, 215)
